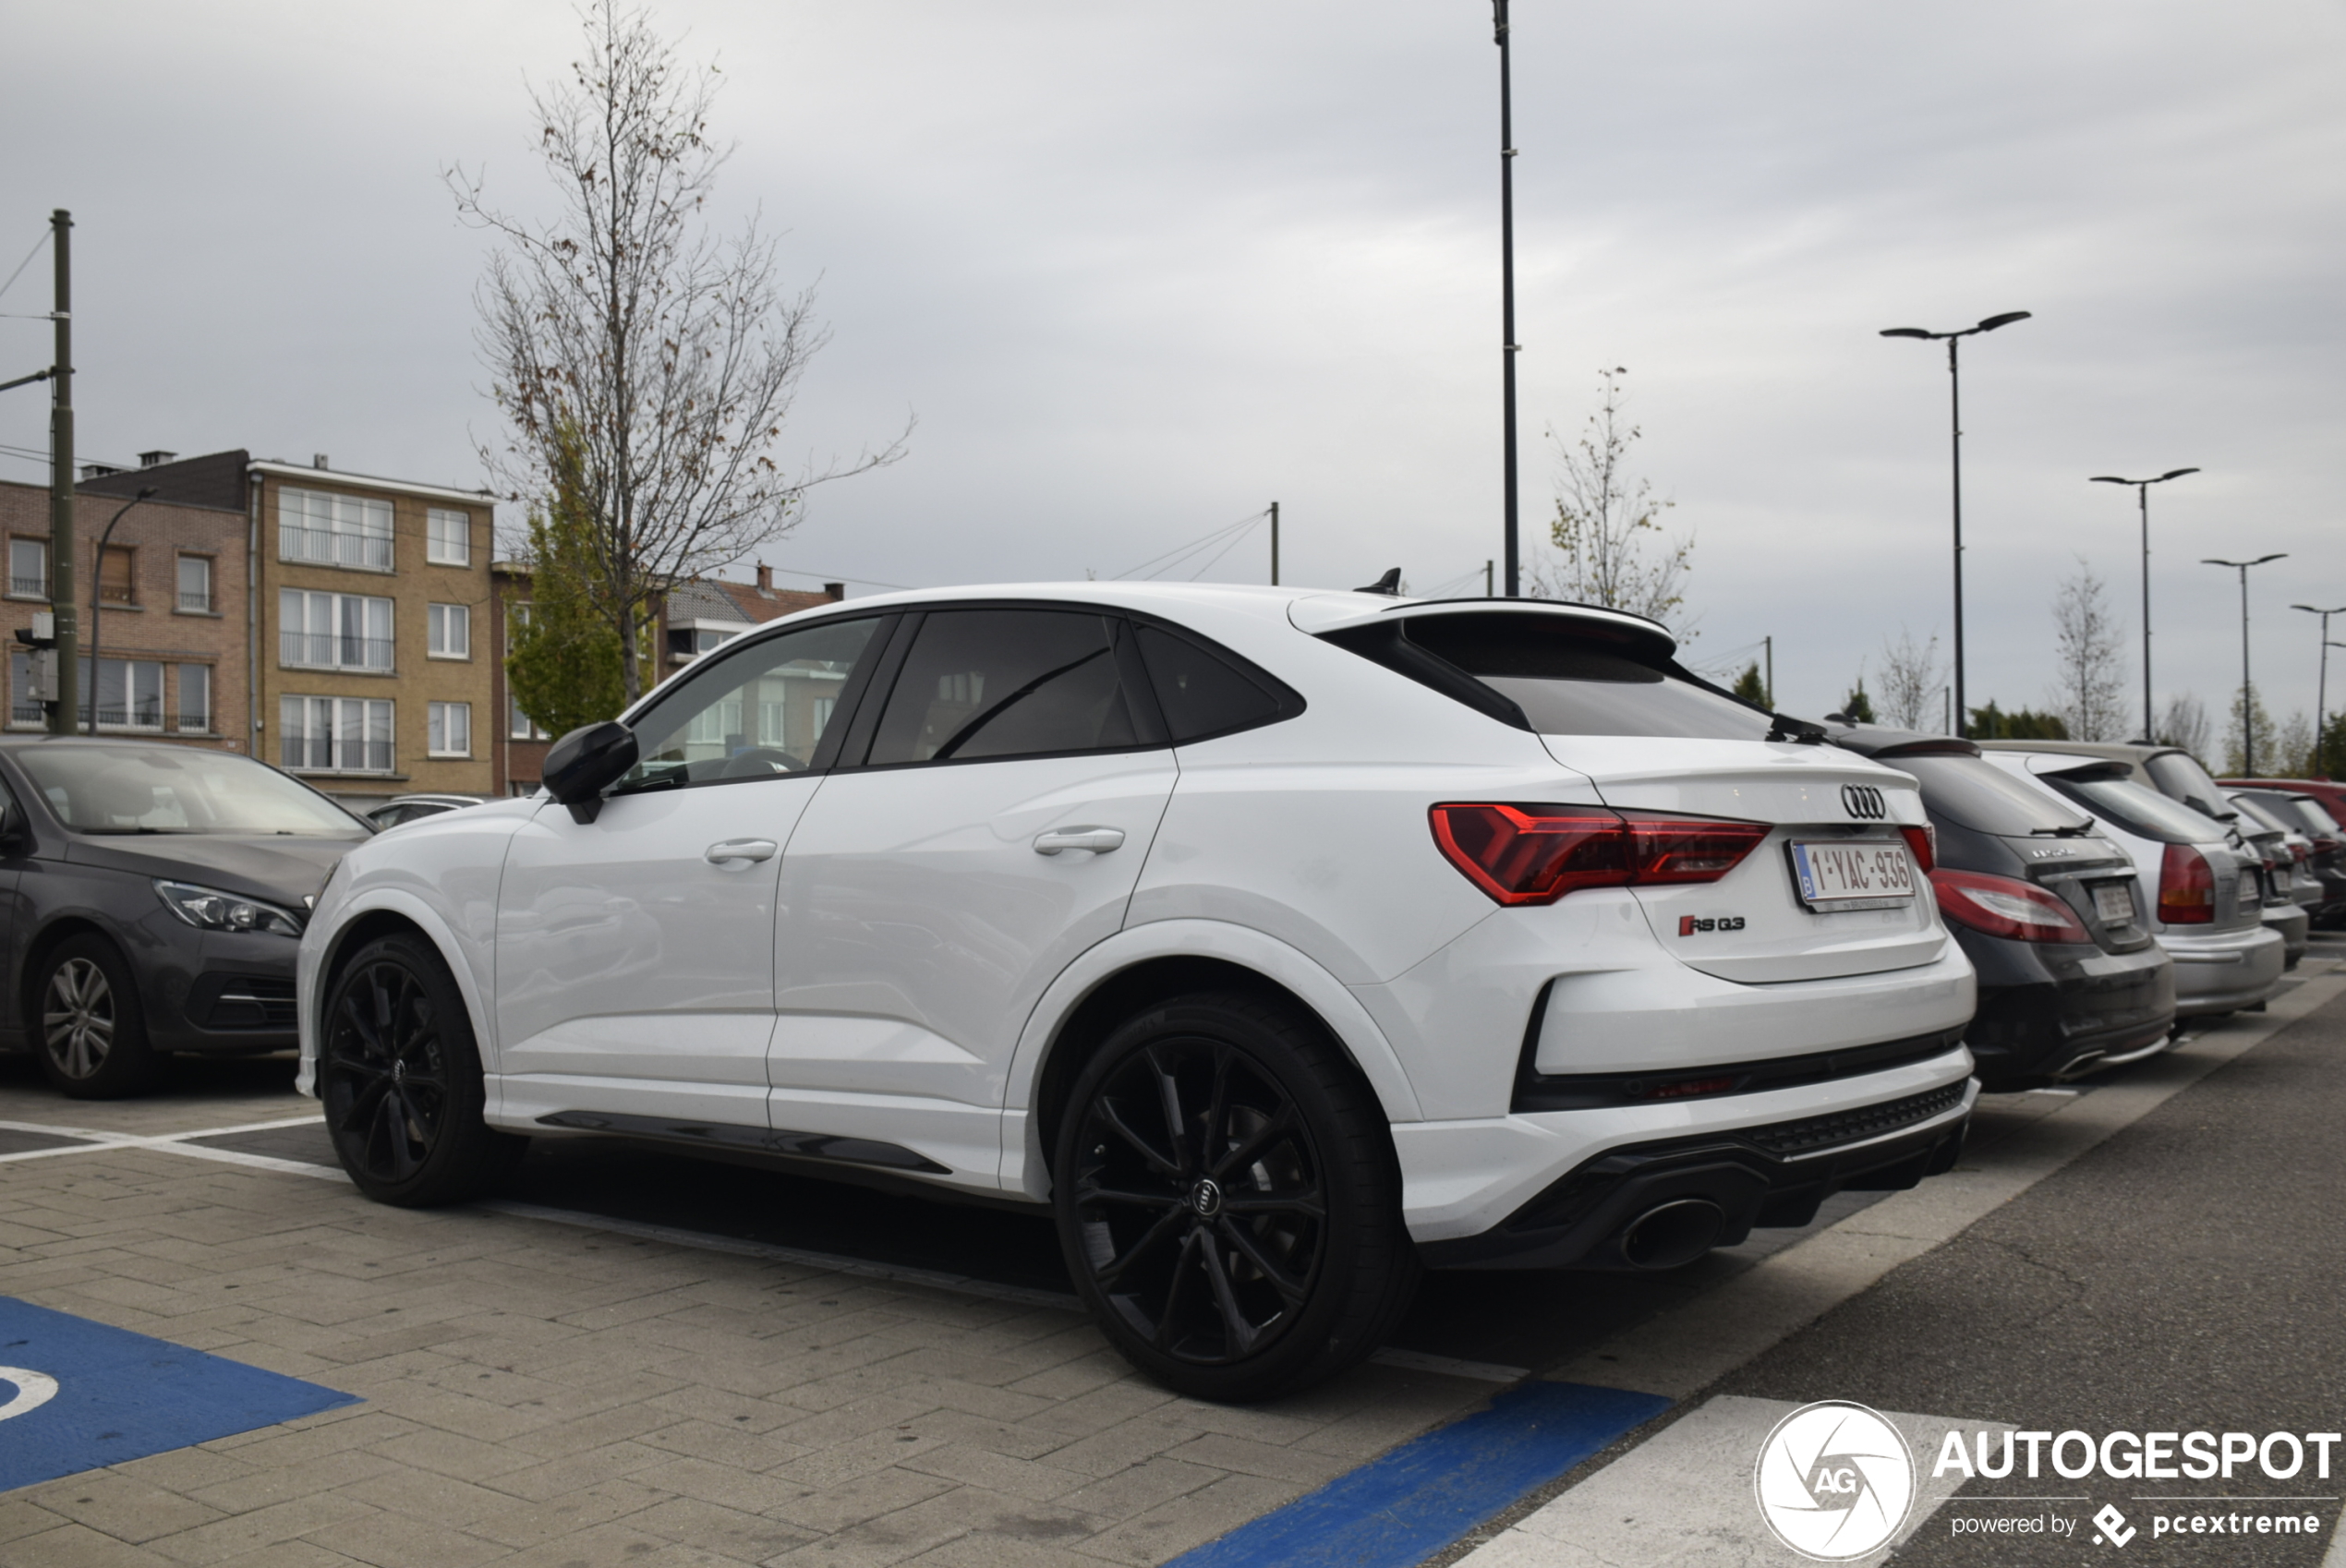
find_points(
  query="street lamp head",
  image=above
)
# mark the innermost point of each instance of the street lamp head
(1907, 332)
(2278, 555)
(2173, 474)
(2241, 565)
(2317, 610)
(2006, 319)
(2114, 480)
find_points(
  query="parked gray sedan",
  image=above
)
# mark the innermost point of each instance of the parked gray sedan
(151, 897)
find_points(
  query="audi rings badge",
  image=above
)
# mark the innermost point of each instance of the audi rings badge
(1864, 801)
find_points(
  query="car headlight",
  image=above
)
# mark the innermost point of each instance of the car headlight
(208, 908)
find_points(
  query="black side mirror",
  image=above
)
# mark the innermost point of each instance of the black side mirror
(584, 761)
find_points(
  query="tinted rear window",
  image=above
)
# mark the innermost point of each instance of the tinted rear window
(2141, 809)
(1568, 683)
(1974, 793)
(1201, 693)
(2182, 778)
(2318, 815)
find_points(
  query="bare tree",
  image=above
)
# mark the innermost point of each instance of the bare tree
(1910, 680)
(2088, 692)
(1607, 529)
(2184, 722)
(663, 358)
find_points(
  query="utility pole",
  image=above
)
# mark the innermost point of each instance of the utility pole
(1506, 285)
(1486, 580)
(1274, 544)
(67, 651)
(2247, 689)
(1769, 644)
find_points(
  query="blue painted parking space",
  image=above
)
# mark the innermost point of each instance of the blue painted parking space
(75, 1396)
(1401, 1509)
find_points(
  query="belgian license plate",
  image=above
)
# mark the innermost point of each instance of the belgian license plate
(2114, 901)
(1865, 874)
(2283, 880)
(2250, 896)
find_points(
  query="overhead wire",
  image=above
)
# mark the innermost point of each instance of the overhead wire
(26, 262)
(1172, 559)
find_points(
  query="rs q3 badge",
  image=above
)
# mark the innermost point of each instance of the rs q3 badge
(1689, 924)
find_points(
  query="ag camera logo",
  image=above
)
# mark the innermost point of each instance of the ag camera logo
(1834, 1480)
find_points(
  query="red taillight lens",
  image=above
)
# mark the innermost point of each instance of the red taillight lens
(1537, 854)
(2301, 852)
(1924, 843)
(2186, 887)
(2004, 906)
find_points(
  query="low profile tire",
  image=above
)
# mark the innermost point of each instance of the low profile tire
(90, 1030)
(1227, 1200)
(400, 1076)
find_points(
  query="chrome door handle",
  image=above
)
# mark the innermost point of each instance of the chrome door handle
(1099, 841)
(744, 850)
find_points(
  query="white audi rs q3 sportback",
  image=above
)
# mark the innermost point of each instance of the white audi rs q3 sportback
(1280, 942)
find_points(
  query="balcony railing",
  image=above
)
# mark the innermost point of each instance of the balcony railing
(29, 587)
(318, 752)
(371, 551)
(198, 603)
(331, 650)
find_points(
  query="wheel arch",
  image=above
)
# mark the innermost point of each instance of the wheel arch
(32, 965)
(1150, 963)
(373, 914)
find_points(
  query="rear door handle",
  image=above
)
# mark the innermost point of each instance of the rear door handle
(1099, 841)
(744, 850)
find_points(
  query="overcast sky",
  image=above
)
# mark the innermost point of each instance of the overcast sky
(1142, 268)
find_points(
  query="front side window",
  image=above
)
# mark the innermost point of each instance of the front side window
(195, 583)
(332, 631)
(991, 683)
(335, 734)
(195, 697)
(29, 568)
(129, 693)
(452, 630)
(333, 530)
(448, 537)
(448, 727)
(751, 713)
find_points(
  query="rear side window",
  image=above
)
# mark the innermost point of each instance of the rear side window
(981, 683)
(1202, 694)
(1568, 682)
(1974, 793)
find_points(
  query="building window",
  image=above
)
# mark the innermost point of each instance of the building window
(128, 694)
(29, 568)
(450, 729)
(195, 698)
(690, 642)
(518, 725)
(195, 583)
(332, 631)
(118, 575)
(341, 734)
(448, 537)
(332, 530)
(452, 632)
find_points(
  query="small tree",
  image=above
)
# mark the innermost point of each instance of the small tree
(2239, 755)
(2184, 723)
(1992, 723)
(564, 666)
(1910, 678)
(1607, 530)
(1752, 688)
(2088, 690)
(1857, 708)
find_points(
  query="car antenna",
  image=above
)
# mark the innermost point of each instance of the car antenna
(1389, 585)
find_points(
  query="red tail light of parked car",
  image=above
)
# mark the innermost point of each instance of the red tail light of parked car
(2187, 887)
(2004, 906)
(1537, 854)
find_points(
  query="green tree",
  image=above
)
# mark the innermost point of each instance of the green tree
(1751, 688)
(2237, 754)
(1992, 723)
(1857, 706)
(564, 666)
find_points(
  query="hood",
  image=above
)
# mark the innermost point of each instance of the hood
(283, 868)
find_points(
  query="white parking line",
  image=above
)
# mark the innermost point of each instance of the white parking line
(91, 1140)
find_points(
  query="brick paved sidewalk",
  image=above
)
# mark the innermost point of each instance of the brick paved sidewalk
(537, 1393)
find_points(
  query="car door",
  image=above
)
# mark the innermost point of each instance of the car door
(1003, 797)
(635, 965)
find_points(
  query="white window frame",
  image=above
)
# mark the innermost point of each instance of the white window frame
(327, 647)
(448, 536)
(519, 726)
(137, 673)
(320, 528)
(447, 730)
(356, 733)
(179, 585)
(449, 633)
(40, 553)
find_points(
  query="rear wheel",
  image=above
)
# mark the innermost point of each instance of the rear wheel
(1227, 1202)
(401, 1079)
(92, 1033)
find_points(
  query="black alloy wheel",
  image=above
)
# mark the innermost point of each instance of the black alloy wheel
(1227, 1203)
(92, 1035)
(400, 1079)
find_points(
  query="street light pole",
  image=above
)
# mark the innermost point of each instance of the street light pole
(2141, 491)
(2247, 705)
(65, 625)
(2321, 682)
(1506, 289)
(1954, 424)
(98, 598)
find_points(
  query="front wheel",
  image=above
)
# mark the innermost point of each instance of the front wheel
(400, 1079)
(1227, 1200)
(92, 1032)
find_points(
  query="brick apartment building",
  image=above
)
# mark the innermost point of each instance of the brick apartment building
(351, 649)
(694, 618)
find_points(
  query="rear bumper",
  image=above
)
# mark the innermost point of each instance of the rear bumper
(2050, 1012)
(2292, 923)
(2222, 972)
(1770, 1175)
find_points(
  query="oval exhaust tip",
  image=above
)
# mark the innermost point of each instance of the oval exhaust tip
(1673, 1234)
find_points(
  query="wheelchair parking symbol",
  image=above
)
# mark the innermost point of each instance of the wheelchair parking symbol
(31, 1391)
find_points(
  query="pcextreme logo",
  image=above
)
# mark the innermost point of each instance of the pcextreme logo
(1834, 1480)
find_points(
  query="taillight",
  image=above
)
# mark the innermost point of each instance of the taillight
(2002, 906)
(2186, 887)
(1924, 842)
(2301, 852)
(1537, 854)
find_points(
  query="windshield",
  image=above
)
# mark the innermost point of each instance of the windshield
(1568, 683)
(2140, 809)
(2180, 778)
(2318, 816)
(115, 788)
(1974, 792)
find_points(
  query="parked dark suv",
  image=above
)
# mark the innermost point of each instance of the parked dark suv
(155, 898)
(2050, 914)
